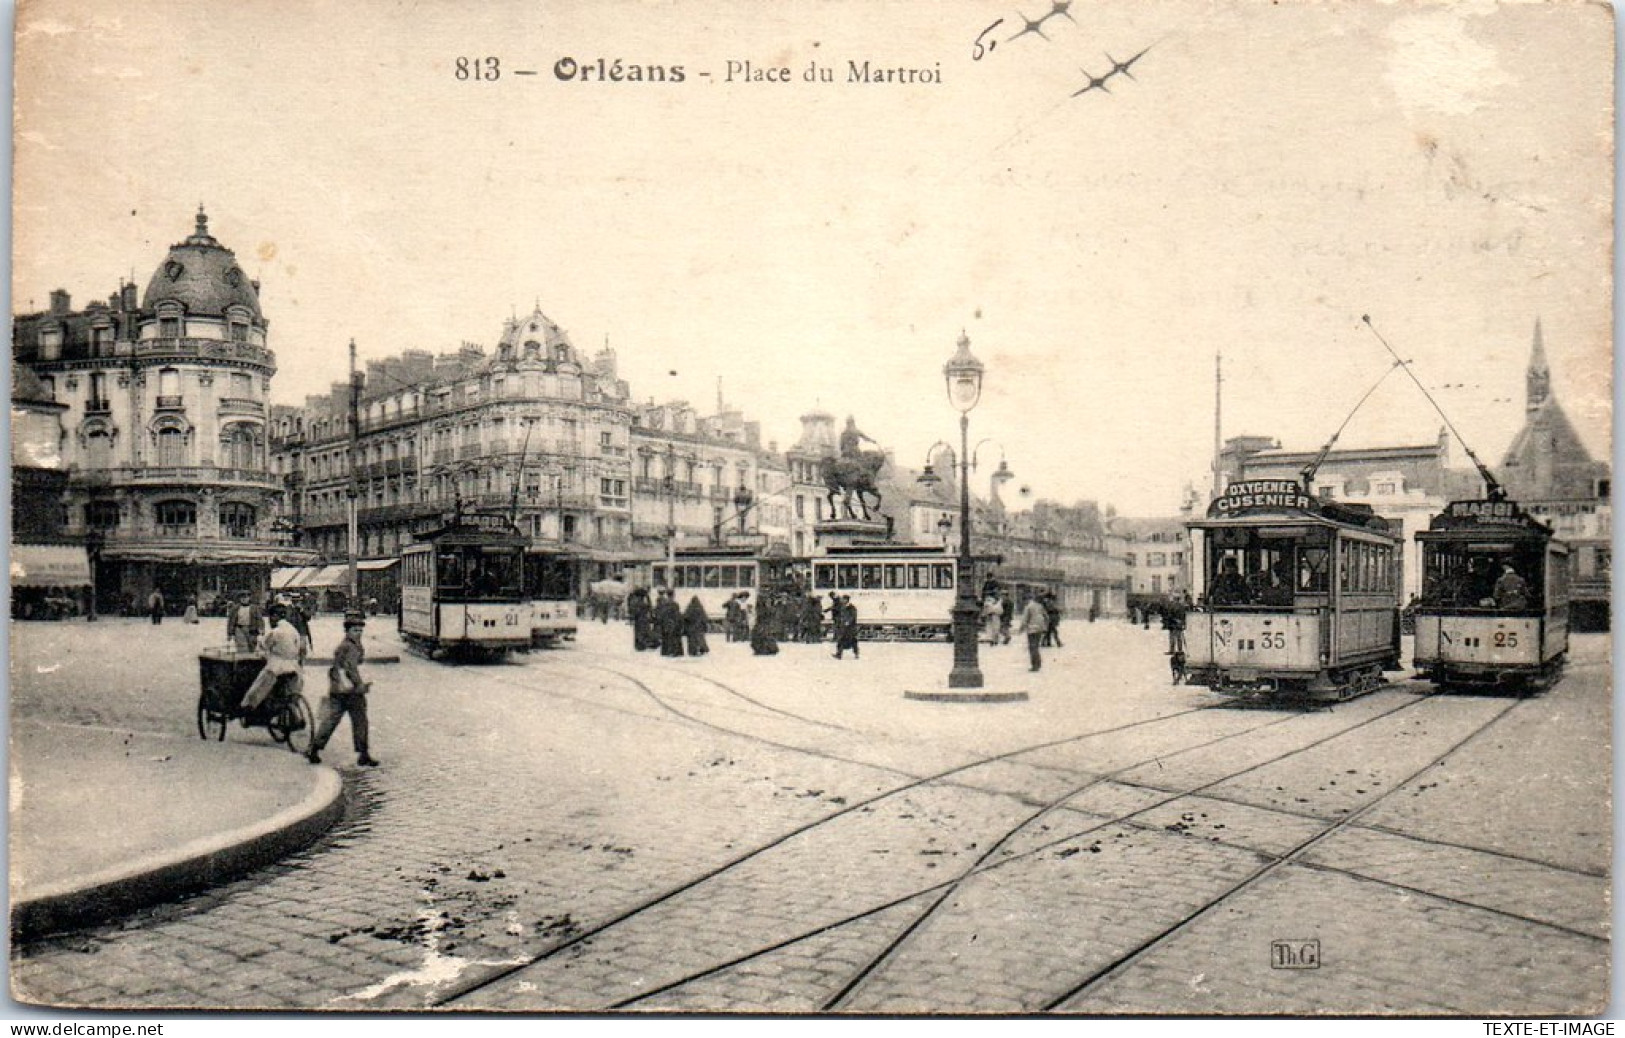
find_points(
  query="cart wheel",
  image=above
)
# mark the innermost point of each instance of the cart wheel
(210, 721)
(292, 723)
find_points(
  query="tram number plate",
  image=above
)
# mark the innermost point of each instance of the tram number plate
(1244, 675)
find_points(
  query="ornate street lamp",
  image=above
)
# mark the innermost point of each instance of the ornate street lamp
(963, 374)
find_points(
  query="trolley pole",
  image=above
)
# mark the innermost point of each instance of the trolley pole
(1218, 444)
(354, 490)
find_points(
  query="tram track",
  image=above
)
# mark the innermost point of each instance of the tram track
(1137, 953)
(944, 891)
(477, 984)
(467, 988)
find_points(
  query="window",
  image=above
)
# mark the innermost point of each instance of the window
(1383, 489)
(99, 449)
(239, 331)
(1156, 558)
(171, 446)
(169, 327)
(102, 515)
(237, 520)
(1129, 558)
(942, 574)
(237, 448)
(177, 518)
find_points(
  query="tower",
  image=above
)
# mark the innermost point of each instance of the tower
(1538, 379)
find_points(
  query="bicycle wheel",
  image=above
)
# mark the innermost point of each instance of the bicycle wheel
(293, 724)
(209, 720)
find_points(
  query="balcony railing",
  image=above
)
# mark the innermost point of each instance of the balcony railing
(241, 405)
(170, 403)
(207, 349)
(177, 474)
(98, 407)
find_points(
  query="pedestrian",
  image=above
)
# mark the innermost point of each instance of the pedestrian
(812, 619)
(762, 642)
(346, 694)
(244, 624)
(1034, 622)
(155, 606)
(1007, 616)
(1173, 621)
(668, 620)
(300, 621)
(695, 623)
(284, 654)
(190, 616)
(1053, 608)
(991, 612)
(641, 611)
(846, 627)
(732, 613)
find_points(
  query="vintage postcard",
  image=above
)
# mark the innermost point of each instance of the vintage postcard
(830, 508)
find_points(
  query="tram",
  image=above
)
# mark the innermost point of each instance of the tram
(713, 575)
(1297, 597)
(462, 588)
(549, 589)
(901, 592)
(1494, 610)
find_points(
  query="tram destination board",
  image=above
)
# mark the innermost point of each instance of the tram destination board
(858, 508)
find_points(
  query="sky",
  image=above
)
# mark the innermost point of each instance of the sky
(1262, 177)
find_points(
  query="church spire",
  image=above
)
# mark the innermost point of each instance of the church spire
(1538, 379)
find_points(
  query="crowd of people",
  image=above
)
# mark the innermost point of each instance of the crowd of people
(658, 623)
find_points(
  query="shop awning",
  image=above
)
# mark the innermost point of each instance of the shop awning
(371, 565)
(291, 577)
(49, 565)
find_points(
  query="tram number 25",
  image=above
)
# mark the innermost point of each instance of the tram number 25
(1506, 640)
(1272, 640)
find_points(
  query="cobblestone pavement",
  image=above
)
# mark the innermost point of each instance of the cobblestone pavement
(592, 828)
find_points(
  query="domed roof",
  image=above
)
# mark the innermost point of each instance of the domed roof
(537, 328)
(202, 275)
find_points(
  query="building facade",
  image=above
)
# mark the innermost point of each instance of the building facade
(1549, 471)
(1156, 555)
(165, 401)
(532, 429)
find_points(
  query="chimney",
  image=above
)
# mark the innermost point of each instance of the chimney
(131, 300)
(61, 302)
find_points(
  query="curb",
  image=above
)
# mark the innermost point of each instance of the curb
(194, 866)
(967, 697)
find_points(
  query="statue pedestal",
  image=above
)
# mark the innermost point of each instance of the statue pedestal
(851, 533)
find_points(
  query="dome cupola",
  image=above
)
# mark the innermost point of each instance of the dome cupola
(203, 277)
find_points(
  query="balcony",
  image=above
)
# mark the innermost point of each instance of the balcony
(98, 407)
(170, 403)
(177, 475)
(205, 349)
(241, 405)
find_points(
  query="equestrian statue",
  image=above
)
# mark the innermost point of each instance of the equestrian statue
(853, 474)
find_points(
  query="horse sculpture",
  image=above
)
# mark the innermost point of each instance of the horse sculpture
(849, 477)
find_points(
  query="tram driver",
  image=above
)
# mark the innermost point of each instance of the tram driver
(1228, 587)
(1511, 592)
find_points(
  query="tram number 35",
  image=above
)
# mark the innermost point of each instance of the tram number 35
(1272, 640)
(1506, 640)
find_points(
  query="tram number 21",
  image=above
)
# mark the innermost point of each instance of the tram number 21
(1272, 640)
(1505, 640)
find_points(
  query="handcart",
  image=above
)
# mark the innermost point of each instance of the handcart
(225, 676)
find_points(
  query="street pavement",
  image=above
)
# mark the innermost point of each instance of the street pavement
(591, 829)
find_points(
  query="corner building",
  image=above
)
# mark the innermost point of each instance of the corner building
(165, 396)
(529, 428)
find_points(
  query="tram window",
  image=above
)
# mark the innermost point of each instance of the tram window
(691, 576)
(896, 576)
(943, 575)
(1312, 571)
(871, 576)
(713, 576)
(919, 576)
(451, 568)
(846, 576)
(823, 577)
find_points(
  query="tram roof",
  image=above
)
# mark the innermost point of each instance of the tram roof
(1330, 516)
(1478, 519)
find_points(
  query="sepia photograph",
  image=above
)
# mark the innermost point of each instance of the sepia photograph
(820, 509)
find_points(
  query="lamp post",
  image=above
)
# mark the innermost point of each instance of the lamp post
(963, 375)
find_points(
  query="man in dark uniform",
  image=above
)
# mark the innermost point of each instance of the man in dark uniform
(346, 694)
